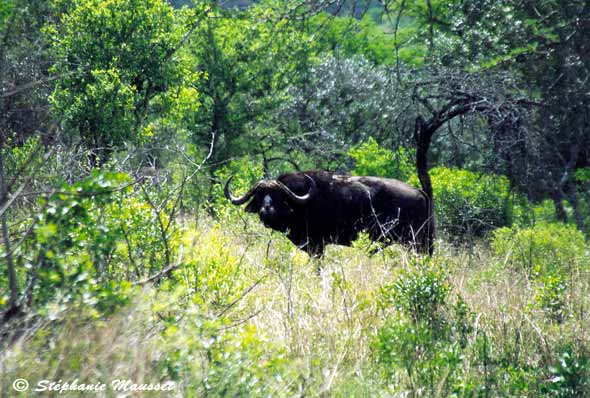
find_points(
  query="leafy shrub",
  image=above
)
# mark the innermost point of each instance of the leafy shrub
(429, 364)
(549, 252)
(73, 245)
(526, 214)
(570, 376)
(544, 211)
(214, 363)
(550, 295)
(364, 243)
(582, 175)
(424, 339)
(88, 240)
(373, 160)
(212, 276)
(242, 364)
(542, 248)
(468, 203)
(418, 293)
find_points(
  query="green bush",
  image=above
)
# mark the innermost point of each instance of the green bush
(411, 353)
(364, 243)
(549, 295)
(88, 241)
(418, 293)
(468, 203)
(213, 363)
(420, 346)
(212, 275)
(544, 211)
(526, 214)
(582, 175)
(570, 376)
(543, 248)
(373, 160)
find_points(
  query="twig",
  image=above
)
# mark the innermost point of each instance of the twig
(165, 272)
(240, 297)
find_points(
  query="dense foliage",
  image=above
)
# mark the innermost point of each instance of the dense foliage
(120, 256)
(469, 203)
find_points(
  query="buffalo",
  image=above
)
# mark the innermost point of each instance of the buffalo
(315, 208)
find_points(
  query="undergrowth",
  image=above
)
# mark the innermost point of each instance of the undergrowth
(249, 315)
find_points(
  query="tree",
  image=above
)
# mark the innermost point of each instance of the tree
(545, 44)
(24, 87)
(249, 59)
(113, 58)
(344, 102)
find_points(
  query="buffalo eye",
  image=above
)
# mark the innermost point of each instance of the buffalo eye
(288, 207)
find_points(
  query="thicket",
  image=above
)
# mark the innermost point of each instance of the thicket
(121, 121)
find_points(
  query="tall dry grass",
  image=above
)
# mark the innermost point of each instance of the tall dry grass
(250, 315)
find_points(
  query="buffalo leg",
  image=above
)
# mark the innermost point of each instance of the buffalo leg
(314, 249)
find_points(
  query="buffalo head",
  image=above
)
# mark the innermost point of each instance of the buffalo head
(272, 200)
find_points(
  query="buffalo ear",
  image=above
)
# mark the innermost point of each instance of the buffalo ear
(252, 207)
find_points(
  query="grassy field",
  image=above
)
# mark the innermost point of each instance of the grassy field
(247, 314)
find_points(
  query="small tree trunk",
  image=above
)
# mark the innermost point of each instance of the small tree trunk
(423, 135)
(557, 198)
(12, 304)
(572, 197)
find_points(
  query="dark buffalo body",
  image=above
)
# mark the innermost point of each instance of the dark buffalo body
(316, 208)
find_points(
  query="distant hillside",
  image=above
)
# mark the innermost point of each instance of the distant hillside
(358, 8)
(241, 4)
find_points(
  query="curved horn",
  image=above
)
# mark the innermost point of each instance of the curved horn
(238, 200)
(297, 198)
(293, 163)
